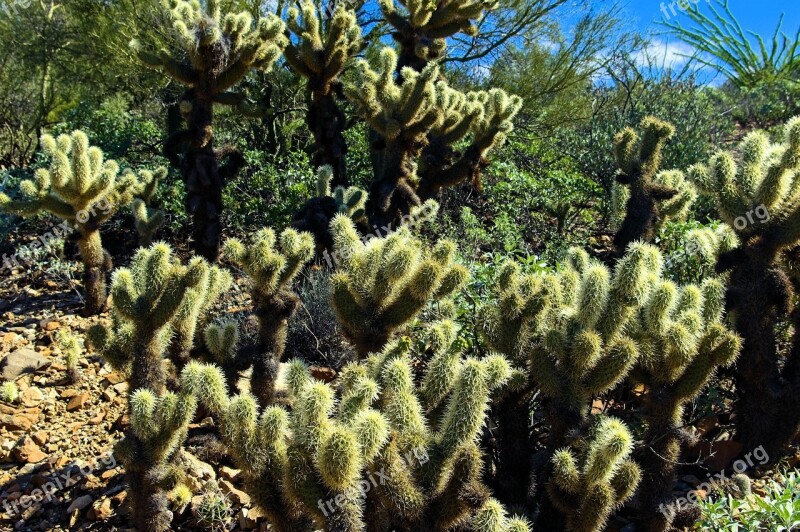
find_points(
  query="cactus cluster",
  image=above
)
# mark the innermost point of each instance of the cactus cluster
(272, 265)
(216, 52)
(683, 341)
(85, 190)
(158, 428)
(653, 195)
(384, 283)
(320, 53)
(422, 112)
(757, 193)
(385, 452)
(595, 476)
(316, 215)
(572, 327)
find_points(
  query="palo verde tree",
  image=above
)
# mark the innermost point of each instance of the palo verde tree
(757, 193)
(85, 191)
(407, 115)
(320, 52)
(210, 54)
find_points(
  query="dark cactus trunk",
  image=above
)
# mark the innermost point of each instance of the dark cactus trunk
(273, 318)
(658, 459)
(148, 501)
(758, 294)
(96, 262)
(640, 218)
(513, 477)
(327, 123)
(392, 195)
(147, 370)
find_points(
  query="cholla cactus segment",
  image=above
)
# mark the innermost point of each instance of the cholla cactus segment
(322, 50)
(422, 27)
(190, 319)
(335, 440)
(592, 479)
(220, 49)
(757, 189)
(272, 264)
(145, 300)
(147, 221)
(386, 282)
(82, 188)
(653, 196)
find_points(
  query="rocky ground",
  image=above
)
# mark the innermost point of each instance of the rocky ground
(57, 468)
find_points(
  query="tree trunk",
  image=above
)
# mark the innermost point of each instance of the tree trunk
(327, 123)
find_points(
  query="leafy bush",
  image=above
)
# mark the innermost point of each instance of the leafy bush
(777, 510)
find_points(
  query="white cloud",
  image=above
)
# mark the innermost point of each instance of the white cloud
(665, 53)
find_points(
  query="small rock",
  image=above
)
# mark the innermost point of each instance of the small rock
(101, 510)
(78, 402)
(21, 361)
(238, 496)
(115, 378)
(80, 503)
(228, 473)
(51, 326)
(41, 437)
(246, 519)
(121, 387)
(323, 374)
(28, 452)
(32, 396)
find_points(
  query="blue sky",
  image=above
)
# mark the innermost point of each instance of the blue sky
(760, 16)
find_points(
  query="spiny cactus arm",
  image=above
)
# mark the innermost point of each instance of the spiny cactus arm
(399, 488)
(466, 410)
(613, 367)
(676, 193)
(719, 347)
(625, 481)
(221, 341)
(357, 397)
(147, 221)
(298, 249)
(401, 405)
(114, 343)
(491, 517)
(160, 421)
(206, 383)
(441, 373)
(181, 72)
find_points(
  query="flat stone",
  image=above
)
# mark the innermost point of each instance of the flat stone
(80, 503)
(78, 402)
(21, 361)
(236, 495)
(32, 396)
(28, 452)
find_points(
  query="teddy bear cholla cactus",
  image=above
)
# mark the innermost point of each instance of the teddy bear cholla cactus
(320, 54)
(594, 476)
(421, 28)
(145, 300)
(84, 190)
(216, 53)
(682, 341)
(418, 441)
(148, 220)
(148, 452)
(272, 266)
(757, 193)
(653, 196)
(385, 283)
(418, 112)
(568, 329)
